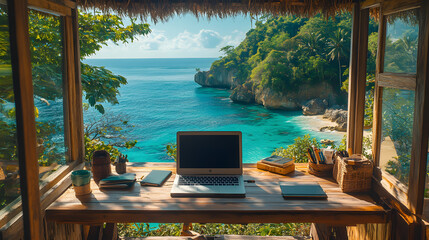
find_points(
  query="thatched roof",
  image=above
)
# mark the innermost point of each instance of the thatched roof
(163, 9)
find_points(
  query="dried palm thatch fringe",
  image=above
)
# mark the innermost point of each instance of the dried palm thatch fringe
(163, 9)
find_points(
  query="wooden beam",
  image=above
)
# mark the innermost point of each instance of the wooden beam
(419, 149)
(25, 119)
(378, 90)
(395, 6)
(370, 4)
(49, 7)
(361, 80)
(397, 80)
(351, 118)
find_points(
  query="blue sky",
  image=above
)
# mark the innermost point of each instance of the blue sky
(182, 37)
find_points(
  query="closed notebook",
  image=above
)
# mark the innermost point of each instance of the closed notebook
(156, 178)
(300, 190)
(118, 181)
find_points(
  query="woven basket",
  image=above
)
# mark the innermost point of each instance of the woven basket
(320, 170)
(353, 178)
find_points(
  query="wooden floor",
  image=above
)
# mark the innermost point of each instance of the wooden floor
(224, 237)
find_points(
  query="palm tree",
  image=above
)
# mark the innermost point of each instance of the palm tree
(337, 48)
(311, 42)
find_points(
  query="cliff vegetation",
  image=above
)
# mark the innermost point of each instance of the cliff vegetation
(285, 61)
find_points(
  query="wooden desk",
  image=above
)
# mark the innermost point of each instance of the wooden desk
(263, 203)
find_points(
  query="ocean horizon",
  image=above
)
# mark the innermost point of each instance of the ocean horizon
(162, 98)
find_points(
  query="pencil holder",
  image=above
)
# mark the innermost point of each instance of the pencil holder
(121, 167)
(320, 170)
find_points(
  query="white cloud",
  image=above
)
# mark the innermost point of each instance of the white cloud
(205, 43)
(209, 38)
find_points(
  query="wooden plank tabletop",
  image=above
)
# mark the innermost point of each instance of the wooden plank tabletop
(263, 203)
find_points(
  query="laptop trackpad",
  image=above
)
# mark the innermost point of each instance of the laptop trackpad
(200, 189)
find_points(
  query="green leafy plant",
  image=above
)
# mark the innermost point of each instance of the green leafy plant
(174, 229)
(298, 150)
(107, 132)
(171, 150)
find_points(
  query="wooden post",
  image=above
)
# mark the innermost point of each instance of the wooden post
(421, 118)
(80, 144)
(25, 119)
(361, 80)
(69, 89)
(378, 91)
(353, 77)
(357, 78)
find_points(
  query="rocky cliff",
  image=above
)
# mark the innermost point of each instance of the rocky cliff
(251, 92)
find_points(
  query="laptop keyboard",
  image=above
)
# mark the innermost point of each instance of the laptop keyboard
(208, 180)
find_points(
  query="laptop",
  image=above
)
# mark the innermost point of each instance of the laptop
(209, 164)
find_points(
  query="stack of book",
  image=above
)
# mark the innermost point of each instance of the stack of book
(320, 156)
(276, 164)
(118, 181)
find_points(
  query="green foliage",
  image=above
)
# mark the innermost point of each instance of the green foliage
(298, 150)
(171, 150)
(366, 146)
(107, 132)
(397, 129)
(96, 144)
(99, 86)
(285, 52)
(174, 229)
(95, 30)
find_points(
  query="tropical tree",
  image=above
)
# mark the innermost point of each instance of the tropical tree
(338, 48)
(99, 84)
(312, 43)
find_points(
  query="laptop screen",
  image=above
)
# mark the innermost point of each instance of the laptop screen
(206, 150)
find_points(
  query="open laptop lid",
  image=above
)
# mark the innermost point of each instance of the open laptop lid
(209, 152)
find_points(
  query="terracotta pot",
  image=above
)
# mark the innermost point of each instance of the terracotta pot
(100, 165)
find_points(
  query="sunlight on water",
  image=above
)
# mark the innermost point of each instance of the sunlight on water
(161, 98)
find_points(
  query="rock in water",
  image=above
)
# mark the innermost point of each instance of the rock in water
(314, 107)
(219, 79)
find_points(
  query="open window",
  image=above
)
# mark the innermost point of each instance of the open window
(38, 58)
(399, 104)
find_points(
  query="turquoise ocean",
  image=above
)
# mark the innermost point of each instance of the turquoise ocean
(162, 98)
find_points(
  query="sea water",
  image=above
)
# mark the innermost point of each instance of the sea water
(162, 98)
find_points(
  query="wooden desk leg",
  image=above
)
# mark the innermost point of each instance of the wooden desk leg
(110, 232)
(186, 230)
(95, 232)
(326, 232)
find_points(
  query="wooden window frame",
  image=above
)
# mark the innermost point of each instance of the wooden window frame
(411, 197)
(34, 197)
